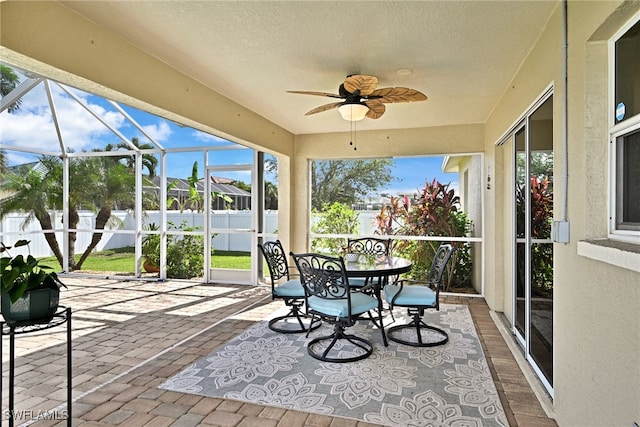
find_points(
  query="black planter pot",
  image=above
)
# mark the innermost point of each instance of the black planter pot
(36, 305)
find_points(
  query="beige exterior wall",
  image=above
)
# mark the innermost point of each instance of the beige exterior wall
(596, 322)
(473, 184)
(597, 325)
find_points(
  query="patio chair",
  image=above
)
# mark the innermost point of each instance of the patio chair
(288, 289)
(417, 298)
(329, 296)
(367, 246)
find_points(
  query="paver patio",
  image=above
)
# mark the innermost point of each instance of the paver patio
(130, 336)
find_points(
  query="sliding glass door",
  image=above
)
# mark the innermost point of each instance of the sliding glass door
(533, 247)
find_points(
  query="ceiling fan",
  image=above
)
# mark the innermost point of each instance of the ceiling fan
(362, 99)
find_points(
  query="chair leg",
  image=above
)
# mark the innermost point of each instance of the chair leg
(380, 326)
(384, 335)
(316, 322)
(437, 335)
(303, 323)
(339, 334)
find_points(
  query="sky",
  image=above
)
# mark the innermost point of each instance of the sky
(33, 126)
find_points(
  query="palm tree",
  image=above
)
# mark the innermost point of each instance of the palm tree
(112, 185)
(36, 191)
(270, 196)
(3, 163)
(96, 183)
(9, 80)
(194, 199)
(149, 161)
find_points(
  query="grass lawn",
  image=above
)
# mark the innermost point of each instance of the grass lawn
(122, 260)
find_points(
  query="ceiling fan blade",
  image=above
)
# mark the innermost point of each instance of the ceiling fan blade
(398, 94)
(365, 84)
(376, 108)
(324, 107)
(308, 92)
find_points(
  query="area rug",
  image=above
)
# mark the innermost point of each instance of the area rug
(398, 385)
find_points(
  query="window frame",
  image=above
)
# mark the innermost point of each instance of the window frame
(617, 131)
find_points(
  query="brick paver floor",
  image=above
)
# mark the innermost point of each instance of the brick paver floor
(130, 336)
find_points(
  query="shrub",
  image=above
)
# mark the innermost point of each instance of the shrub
(541, 219)
(185, 253)
(336, 218)
(433, 212)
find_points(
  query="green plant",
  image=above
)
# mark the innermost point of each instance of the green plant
(185, 254)
(19, 274)
(185, 257)
(151, 245)
(541, 219)
(336, 218)
(433, 212)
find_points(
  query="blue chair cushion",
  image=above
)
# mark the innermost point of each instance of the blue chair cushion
(290, 289)
(360, 303)
(411, 296)
(357, 282)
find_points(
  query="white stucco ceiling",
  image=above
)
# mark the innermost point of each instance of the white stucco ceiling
(462, 54)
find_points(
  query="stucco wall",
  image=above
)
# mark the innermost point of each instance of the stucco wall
(597, 326)
(474, 183)
(596, 322)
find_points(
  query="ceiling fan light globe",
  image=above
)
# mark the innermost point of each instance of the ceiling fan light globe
(353, 112)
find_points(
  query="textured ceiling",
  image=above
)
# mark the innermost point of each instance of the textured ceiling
(462, 54)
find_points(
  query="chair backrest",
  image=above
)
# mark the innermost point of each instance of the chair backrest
(276, 259)
(323, 276)
(369, 246)
(439, 263)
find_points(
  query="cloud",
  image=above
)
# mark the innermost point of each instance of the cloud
(33, 125)
(208, 138)
(28, 130)
(160, 131)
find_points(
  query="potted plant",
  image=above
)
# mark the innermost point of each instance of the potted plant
(30, 291)
(151, 250)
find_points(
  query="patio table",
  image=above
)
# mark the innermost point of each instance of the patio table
(382, 268)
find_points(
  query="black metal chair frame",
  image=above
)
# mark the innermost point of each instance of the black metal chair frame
(440, 260)
(369, 246)
(325, 277)
(276, 259)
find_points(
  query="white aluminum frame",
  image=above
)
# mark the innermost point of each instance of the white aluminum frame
(524, 341)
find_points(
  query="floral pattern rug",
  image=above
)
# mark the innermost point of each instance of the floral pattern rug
(398, 385)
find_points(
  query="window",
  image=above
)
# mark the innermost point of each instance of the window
(625, 135)
(627, 77)
(628, 182)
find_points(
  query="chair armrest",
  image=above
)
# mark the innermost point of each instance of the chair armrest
(410, 282)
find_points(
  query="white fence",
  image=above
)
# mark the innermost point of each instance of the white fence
(121, 233)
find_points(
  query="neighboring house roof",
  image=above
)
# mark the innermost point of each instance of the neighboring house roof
(230, 190)
(218, 184)
(37, 166)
